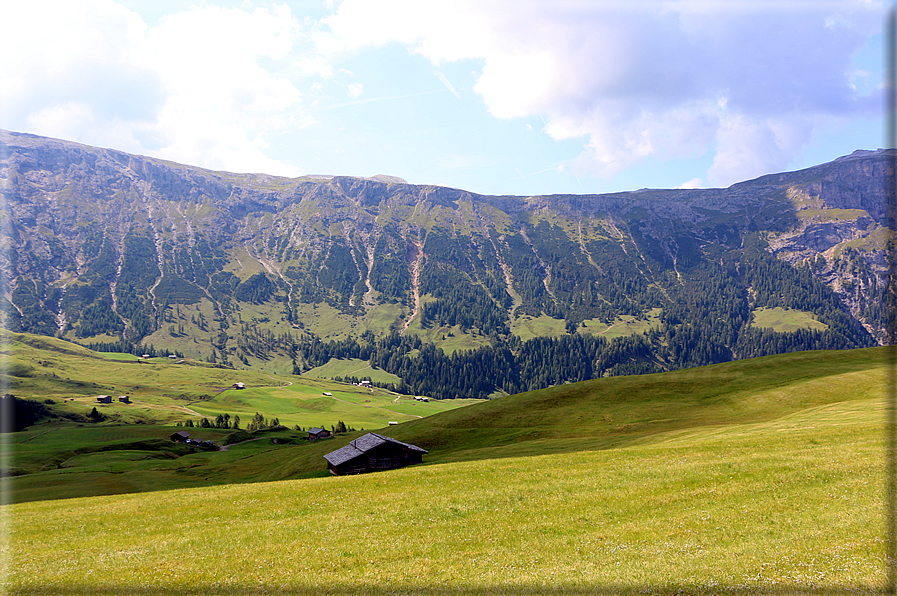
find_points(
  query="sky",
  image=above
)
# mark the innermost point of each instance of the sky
(516, 97)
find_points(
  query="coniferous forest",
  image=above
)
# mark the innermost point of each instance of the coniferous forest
(707, 321)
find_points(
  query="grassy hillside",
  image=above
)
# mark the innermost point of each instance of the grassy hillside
(64, 460)
(44, 368)
(617, 411)
(70, 455)
(734, 504)
(68, 378)
(351, 367)
(786, 320)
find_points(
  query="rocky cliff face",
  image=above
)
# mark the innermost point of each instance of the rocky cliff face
(841, 230)
(106, 246)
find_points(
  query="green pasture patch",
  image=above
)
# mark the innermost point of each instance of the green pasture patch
(262, 315)
(351, 367)
(118, 356)
(66, 460)
(784, 320)
(243, 264)
(787, 506)
(527, 327)
(624, 325)
(381, 319)
(115, 461)
(409, 408)
(418, 409)
(449, 339)
(304, 404)
(195, 342)
(825, 215)
(50, 446)
(323, 320)
(457, 340)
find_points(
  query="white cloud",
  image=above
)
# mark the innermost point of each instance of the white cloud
(693, 183)
(222, 103)
(80, 59)
(355, 90)
(753, 81)
(451, 30)
(202, 87)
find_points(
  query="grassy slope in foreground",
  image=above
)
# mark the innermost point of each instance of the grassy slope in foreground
(611, 412)
(790, 505)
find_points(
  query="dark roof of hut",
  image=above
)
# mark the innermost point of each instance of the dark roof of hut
(362, 445)
(317, 430)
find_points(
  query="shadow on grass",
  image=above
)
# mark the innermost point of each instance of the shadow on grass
(425, 590)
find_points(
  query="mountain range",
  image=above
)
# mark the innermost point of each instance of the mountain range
(437, 285)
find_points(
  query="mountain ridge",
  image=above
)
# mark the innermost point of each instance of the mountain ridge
(107, 247)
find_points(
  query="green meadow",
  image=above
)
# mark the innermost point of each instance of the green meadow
(68, 378)
(130, 450)
(527, 327)
(762, 476)
(792, 505)
(785, 320)
(351, 367)
(304, 403)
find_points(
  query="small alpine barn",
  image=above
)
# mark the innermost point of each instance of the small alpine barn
(372, 453)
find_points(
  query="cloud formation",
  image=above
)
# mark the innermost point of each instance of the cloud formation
(752, 82)
(749, 83)
(204, 86)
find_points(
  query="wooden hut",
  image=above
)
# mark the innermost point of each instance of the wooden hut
(104, 399)
(371, 453)
(318, 433)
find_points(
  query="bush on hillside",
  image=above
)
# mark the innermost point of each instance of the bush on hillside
(238, 437)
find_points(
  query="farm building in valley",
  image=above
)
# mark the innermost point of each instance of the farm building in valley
(371, 453)
(184, 437)
(318, 433)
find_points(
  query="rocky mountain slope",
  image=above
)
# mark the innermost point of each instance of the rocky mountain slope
(103, 246)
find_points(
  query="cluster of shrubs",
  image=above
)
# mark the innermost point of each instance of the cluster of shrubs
(257, 424)
(221, 421)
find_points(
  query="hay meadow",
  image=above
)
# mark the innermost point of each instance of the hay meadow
(788, 503)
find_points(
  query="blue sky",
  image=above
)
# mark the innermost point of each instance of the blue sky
(492, 96)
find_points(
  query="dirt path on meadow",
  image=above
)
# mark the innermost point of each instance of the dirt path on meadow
(226, 447)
